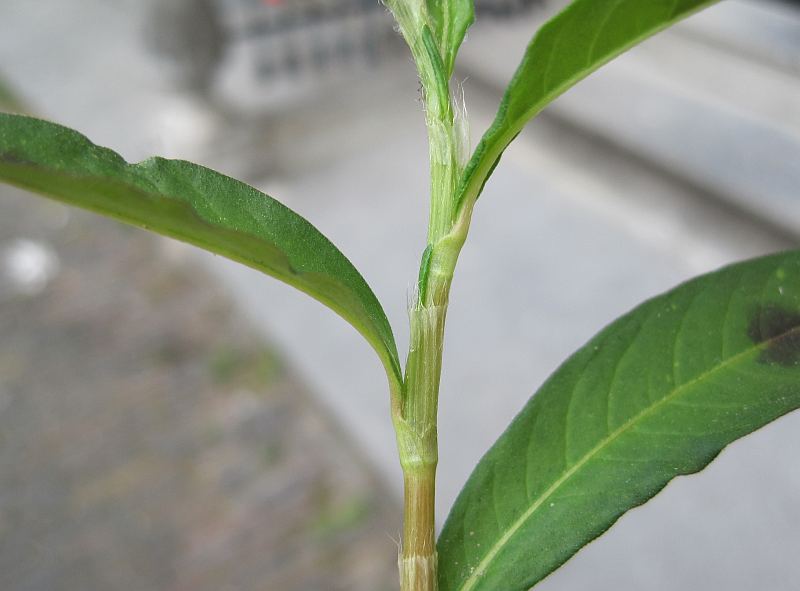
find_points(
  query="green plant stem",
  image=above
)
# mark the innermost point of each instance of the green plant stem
(417, 426)
(414, 412)
(418, 559)
(417, 442)
(416, 415)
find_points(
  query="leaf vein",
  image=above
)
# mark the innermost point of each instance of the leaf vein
(600, 30)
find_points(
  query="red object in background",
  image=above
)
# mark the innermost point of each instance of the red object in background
(273, 2)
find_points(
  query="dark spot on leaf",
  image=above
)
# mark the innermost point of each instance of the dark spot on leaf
(779, 328)
(10, 158)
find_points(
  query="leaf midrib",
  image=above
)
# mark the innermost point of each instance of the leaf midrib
(473, 579)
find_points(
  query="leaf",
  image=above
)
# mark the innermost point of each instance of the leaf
(196, 205)
(450, 21)
(657, 394)
(569, 47)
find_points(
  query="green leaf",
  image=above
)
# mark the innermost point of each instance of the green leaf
(450, 20)
(569, 47)
(196, 205)
(658, 393)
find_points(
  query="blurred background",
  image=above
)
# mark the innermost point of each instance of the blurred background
(172, 421)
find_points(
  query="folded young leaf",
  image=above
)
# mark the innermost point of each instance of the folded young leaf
(569, 47)
(451, 19)
(196, 205)
(658, 393)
